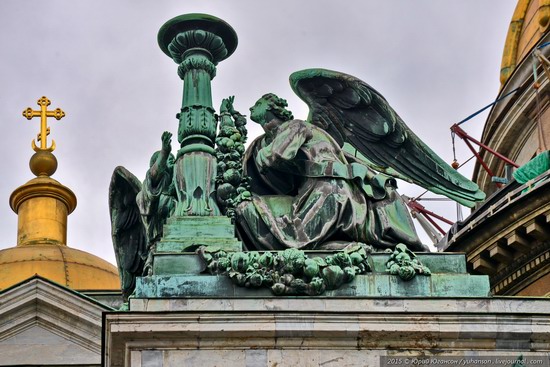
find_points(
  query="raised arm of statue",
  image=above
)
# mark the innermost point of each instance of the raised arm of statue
(227, 105)
(159, 161)
(156, 198)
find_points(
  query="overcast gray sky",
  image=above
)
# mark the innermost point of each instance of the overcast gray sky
(435, 61)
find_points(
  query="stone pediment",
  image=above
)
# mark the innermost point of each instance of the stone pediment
(44, 323)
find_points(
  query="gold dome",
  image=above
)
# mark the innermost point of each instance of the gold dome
(72, 268)
(42, 206)
(529, 23)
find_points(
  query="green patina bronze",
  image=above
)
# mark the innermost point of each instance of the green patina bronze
(449, 278)
(232, 186)
(180, 187)
(138, 213)
(197, 43)
(308, 194)
(290, 272)
(321, 183)
(403, 262)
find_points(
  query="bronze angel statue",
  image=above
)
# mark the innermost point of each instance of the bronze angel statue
(309, 193)
(138, 213)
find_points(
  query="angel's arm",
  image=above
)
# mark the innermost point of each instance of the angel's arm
(284, 146)
(156, 172)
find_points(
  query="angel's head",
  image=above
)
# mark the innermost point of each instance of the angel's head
(268, 108)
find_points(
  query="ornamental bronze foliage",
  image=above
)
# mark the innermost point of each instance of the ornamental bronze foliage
(290, 272)
(404, 263)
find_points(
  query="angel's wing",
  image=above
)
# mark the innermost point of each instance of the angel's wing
(127, 230)
(352, 111)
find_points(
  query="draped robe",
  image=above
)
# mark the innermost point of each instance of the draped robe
(308, 194)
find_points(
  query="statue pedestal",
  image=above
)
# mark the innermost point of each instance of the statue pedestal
(157, 287)
(179, 275)
(187, 234)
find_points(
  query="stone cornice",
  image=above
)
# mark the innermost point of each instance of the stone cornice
(338, 325)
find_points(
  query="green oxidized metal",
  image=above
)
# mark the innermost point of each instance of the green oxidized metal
(289, 272)
(449, 277)
(404, 263)
(295, 189)
(197, 42)
(232, 185)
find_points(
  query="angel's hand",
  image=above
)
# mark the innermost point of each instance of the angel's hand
(227, 105)
(231, 107)
(166, 142)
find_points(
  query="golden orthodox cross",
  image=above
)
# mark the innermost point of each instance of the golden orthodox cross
(29, 113)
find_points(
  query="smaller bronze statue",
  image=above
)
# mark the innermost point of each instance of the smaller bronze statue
(138, 213)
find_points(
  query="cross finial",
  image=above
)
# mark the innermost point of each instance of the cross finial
(29, 113)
